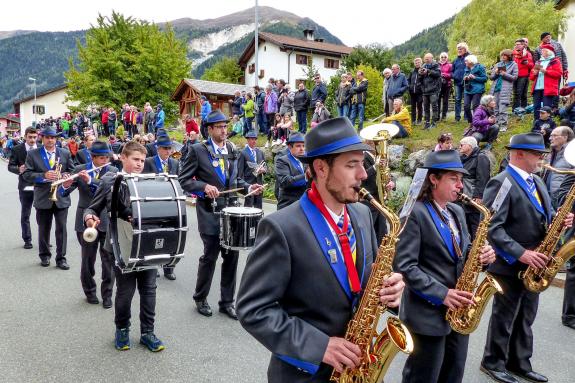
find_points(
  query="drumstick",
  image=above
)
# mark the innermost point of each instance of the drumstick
(231, 190)
(253, 191)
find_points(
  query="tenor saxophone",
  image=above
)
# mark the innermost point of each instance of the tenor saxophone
(378, 349)
(539, 279)
(465, 320)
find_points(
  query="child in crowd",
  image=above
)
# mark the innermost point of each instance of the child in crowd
(237, 126)
(544, 124)
(444, 142)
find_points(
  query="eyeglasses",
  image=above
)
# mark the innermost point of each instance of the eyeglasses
(219, 126)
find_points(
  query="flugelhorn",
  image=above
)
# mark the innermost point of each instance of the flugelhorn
(60, 181)
(259, 167)
(90, 234)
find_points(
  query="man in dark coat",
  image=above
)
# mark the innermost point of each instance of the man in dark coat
(430, 87)
(290, 172)
(249, 163)
(415, 96)
(297, 291)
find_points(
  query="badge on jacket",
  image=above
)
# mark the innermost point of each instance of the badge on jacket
(332, 255)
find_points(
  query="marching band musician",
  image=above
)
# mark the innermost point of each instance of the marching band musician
(209, 168)
(431, 254)
(132, 157)
(290, 172)
(519, 223)
(248, 163)
(87, 184)
(162, 163)
(83, 155)
(17, 165)
(43, 166)
(298, 292)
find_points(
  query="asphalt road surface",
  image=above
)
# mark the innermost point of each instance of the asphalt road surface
(50, 334)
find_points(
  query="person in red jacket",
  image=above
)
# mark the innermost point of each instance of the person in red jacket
(524, 60)
(545, 75)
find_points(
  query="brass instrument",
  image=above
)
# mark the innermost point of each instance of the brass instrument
(381, 135)
(91, 233)
(465, 320)
(260, 166)
(176, 155)
(60, 181)
(538, 280)
(378, 349)
(54, 188)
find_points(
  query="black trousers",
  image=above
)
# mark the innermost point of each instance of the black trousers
(254, 200)
(26, 201)
(436, 359)
(87, 271)
(509, 342)
(207, 266)
(470, 103)
(431, 101)
(44, 220)
(520, 87)
(443, 101)
(568, 315)
(416, 102)
(125, 289)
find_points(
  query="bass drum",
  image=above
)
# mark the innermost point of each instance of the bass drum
(152, 232)
(238, 227)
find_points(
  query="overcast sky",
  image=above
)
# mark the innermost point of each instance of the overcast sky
(370, 21)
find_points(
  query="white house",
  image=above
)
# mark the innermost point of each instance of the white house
(568, 38)
(287, 58)
(50, 103)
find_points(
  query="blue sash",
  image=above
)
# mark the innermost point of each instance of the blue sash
(523, 184)
(158, 162)
(88, 155)
(46, 159)
(443, 230)
(249, 153)
(217, 169)
(298, 166)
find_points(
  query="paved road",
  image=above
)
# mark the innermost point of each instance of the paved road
(48, 333)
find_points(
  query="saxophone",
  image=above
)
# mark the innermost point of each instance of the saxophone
(378, 349)
(465, 320)
(538, 280)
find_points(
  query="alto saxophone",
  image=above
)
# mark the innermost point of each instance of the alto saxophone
(539, 279)
(378, 350)
(465, 320)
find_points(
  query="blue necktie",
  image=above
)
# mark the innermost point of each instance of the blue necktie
(532, 189)
(350, 235)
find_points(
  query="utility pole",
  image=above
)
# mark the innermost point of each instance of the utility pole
(256, 47)
(34, 109)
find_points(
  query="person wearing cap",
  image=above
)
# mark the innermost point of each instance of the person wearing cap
(209, 168)
(87, 184)
(162, 163)
(545, 124)
(431, 254)
(545, 75)
(298, 289)
(547, 39)
(249, 163)
(522, 212)
(290, 172)
(83, 155)
(41, 170)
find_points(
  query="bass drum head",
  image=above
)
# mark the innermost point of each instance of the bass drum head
(125, 239)
(241, 210)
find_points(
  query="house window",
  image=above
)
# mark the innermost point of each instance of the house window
(252, 68)
(302, 59)
(331, 63)
(261, 75)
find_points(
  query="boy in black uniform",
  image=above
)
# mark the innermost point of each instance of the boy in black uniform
(132, 157)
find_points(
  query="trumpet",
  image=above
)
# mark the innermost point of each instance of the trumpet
(60, 181)
(90, 234)
(258, 168)
(53, 189)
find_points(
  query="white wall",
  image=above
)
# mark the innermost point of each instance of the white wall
(275, 64)
(568, 40)
(53, 104)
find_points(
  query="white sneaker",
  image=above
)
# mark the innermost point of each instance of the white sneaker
(267, 145)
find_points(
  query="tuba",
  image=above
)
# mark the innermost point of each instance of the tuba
(378, 349)
(465, 320)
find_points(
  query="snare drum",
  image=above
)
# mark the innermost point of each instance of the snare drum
(238, 227)
(156, 235)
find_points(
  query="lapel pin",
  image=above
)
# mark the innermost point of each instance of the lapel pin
(332, 255)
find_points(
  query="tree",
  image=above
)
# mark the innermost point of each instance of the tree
(373, 105)
(127, 61)
(489, 26)
(374, 55)
(225, 70)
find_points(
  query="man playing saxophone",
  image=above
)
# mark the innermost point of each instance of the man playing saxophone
(431, 255)
(522, 212)
(311, 263)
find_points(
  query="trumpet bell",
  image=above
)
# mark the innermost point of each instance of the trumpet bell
(90, 234)
(378, 132)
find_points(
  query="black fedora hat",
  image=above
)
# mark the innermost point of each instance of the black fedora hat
(216, 116)
(333, 136)
(164, 141)
(444, 160)
(49, 132)
(100, 148)
(528, 141)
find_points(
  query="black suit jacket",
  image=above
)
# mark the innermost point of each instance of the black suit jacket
(517, 225)
(17, 159)
(429, 269)
(246, 166)
(83, 156)
(34, 173)
(197, 171)
(290, 299)
(87, 192)
(154, 165)
(289, 179)
(151, 149)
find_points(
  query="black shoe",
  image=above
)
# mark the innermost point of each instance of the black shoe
(531, 376)
(570, 325)
(28, 245)
(427, 125)
(63, 265)
(45, 262)
(92, 299)
(204, 308)
(107, 303)
(229, 311)
(432, 125)
(170, 276)
(499, 376)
